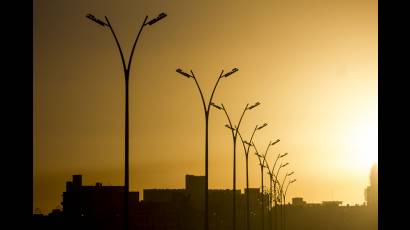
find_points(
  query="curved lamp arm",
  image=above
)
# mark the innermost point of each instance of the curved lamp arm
(200, 92)
(135, 42)
(119, 47)
(213, 91)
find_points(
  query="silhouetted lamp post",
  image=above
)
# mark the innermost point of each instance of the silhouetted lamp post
(246, 150)
(272, 179)
(234, 132)
(281, 195)
(206, 111)
(126, 69)
(284, 201)
(262, 164)
(274, 192)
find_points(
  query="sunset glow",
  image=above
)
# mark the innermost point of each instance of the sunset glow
(311, 64)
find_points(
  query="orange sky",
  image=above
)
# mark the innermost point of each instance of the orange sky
(312, 65)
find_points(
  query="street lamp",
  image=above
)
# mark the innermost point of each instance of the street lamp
(206, 111)
(126, 69)
(275, 194)
(262, 164)
(267, 166)
(246, 150)
(271, 175)
(281, 195)
(284, 201)
(235, 132)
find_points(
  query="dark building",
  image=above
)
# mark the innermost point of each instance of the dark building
(371, 192)
(164, 195)
(332, 203)
(93, 201)
(220, 203)
(327, 215)
(100, 207)
(254, 197)
(195, 186)
(298, 201)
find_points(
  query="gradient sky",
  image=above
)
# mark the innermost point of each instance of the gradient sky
(312, 64)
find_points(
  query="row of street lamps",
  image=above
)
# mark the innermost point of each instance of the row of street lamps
(275, 194)
(278, 194)
(206, 107)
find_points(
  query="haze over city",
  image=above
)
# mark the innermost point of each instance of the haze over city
(311, 64)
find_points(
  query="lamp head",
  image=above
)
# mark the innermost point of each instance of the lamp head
(216, 106)
(283, 155)
(262, 126)
(180, 71)
(254, 105)
(273, 143)
(153, 21)
(231, 72)
(96, 20)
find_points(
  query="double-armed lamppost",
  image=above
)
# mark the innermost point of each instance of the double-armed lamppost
(284, 201)
(206, 111)
(272, 180)
(126, 69)
(262, 164)
(246, 150)
(281, 196)
(275, 194)
(235, 132)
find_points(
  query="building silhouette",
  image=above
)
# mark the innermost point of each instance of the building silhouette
(301, 215)
(298, 201)
(195, 186)
(94, 201)
(100, 207)
(371, 192)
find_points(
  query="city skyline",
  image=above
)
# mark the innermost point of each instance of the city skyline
(164, 194)
(100, 206)
(313, 67)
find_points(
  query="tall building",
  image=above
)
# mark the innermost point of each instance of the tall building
(195, 186)
(371, 192)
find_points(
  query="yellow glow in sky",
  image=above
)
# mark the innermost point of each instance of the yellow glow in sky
(312, 64)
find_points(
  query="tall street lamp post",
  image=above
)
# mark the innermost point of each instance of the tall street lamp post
(284, 201)
(281, 195)
(206, 108)
(246, 150)
(272, 180)
(126, 69)
(234, 132)
(262, 164)
(275, 194)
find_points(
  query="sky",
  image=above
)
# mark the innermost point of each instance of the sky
(311, 64)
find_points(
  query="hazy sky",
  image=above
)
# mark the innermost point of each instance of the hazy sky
(312, 64)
